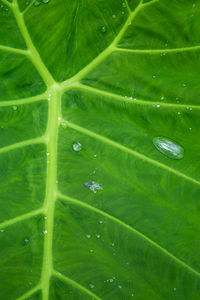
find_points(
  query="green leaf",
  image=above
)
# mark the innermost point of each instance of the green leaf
(98, 99)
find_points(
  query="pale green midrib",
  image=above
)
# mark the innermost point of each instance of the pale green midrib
(49, 203)
(27, 100)
(30, 293)
(128, 150)
(127, 99)
(130, 228)
(157, 51)
(21, 218)
(39, 140)
(75, 284)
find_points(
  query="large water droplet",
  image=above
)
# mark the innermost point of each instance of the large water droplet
(37, 3)
(93, 186)
(45, 1)
(168, 147)
(77, 147)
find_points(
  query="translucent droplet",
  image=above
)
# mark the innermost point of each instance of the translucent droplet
(168, 147)
(45, 1)
(26, 241)
(174, 289)
(91, 250)
(158, 105)
(2, 230)
(15, 107)
(113, 244)
(91, 285)
(103, 29)
(88, 236)
(47, 154)
(123, 4)
(37, 3)
(93, 186)
(77, 147)
(114, 16)
(162, 98)
(100, 222)
(98, 236)
(64, 125)
(45, 231)
(119, 286)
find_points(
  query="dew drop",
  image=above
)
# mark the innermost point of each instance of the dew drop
(93, 186)
(45, 1)
(114, 16)
(91, 285)
(37, 3)
(158, 105)
(168, 147)
(77, 147)
(64, 125)
(162, 98)
(45, 231)
(119, 286)
(91, 250)
(15, 107)
(100, 222)
(2, 230)
(88, 236)
(26, 241)
(98, 236)
(124, 4)
(103, 29)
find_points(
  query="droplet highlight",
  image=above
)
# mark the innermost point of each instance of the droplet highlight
(93, 186)
(77, 147)
(168, 147)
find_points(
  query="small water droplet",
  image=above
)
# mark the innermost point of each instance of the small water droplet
(132, 295)
(47, 154)
(26, 241)
(88, 236)
(91, 285)
(168, 147)
(119, 286)
(113, 244)
(162, 98)
(45, 1)
(15, 107)
(77, 147)
(59, 118)
(2, 230)
(64, 125)
(124, 4)
(179, 113)
(174, 288)
(158, 105)
(37, 3)
(91, 250)
(95, 155)
(98, 236)
(45, 231)
(103, 29)
(93, 186)
(154, 76)
(100, 222)
(45, 218)
(114, 16)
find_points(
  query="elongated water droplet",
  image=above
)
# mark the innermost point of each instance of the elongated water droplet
(77, 147)
(93, 186)
(45, 1)
(168, 147)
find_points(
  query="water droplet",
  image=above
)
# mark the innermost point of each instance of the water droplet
(168, 147)
(114, 16)
(174, 288)
(45, 231)
(2, 230)
(98, 236)
(124, 4)
(15, 107)
(119, 286)
(64, 125)
(45, 218)
(103, 29)
(59, 118)
(95, 155)
(45, 1)
(154, 76)
(100, 222)
(179, 112)
(91, 285)
(77, 147)
(93, 186)
(162, 98)
(158, 105)
(88, 236)
(91, 250)
(113, 244)
(37, 3)
(26, 241)
(47, 154)
(132, 295)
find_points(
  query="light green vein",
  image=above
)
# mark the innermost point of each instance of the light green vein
(130, 228)
(30, 142)
(29, 293)
(76, 285)
(103, 55)
(28, 7)
(21, 218)
(28, 100)
(127, 99)
(14, 50)
(157, 51)
(128, 150)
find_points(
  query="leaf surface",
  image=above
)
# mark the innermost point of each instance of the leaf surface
(90, 209)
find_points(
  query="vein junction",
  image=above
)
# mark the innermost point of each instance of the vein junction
(51, 136)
